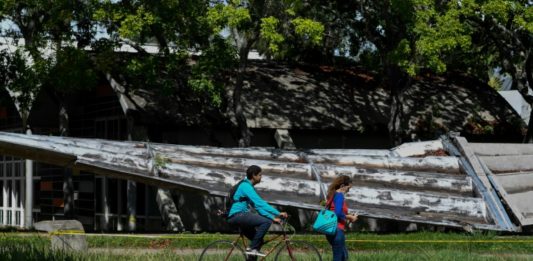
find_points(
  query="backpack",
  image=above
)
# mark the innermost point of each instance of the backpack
(228, 200)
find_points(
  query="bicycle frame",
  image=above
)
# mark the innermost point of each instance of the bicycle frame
(275, 238)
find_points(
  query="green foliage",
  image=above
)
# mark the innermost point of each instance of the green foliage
(233, 15)
(29, 248)
(133, 24)
(206, 85)
(156, 73)
(415, 35)
(399, 55)
(129, 24)
(68, 71)
(217, 59)
(526, 20)
(495, 83)
(178, 27)
(160, 161)
(177, 24)
(267, 24)
(468, 33)
(71, 71)
(104, 55)
(309, 30)
(20, 77)
(237, 17)
(439, 33)
(270, 34)
(47, 58)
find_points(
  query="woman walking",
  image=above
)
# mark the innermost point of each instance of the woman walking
(336, 194)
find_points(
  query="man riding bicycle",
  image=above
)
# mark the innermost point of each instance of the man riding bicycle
(253, 226)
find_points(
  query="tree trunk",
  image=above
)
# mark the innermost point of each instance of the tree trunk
(63, 119)
(528, 71)
(245, 134)
(68, 183)
(397, 82)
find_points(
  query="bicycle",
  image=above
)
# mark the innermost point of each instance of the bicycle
(285, 248)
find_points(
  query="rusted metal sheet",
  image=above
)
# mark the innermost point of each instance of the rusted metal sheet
(389, 184)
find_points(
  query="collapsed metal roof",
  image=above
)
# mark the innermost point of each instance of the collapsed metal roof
(447, 182)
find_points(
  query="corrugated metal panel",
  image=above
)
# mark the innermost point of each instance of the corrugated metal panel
(510, 167)
(508, 163)
(516, 182)
(476, 169)
(499, 149)
(517, 191)
(422, 189)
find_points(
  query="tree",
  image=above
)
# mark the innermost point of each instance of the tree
(380, 30)
(477, 36)
(407, 38)
(266, 26)
(176, 29)
(47, 60)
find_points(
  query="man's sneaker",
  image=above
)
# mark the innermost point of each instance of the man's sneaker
(254, 252)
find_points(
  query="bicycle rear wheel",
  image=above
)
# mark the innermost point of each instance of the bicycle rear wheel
(222, 250)
(298, 250)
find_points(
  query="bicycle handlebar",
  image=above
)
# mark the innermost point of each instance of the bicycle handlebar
(285, 223)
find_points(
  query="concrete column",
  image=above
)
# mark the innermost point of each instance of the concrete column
(68, 192)
(132, 205)
(119, 205)
(104, 222)
(147, 189)
(4, 202)
(13, 200)
(28, 204)
(131, 186)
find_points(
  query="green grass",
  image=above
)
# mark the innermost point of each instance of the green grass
(355, 241)
(362, 246)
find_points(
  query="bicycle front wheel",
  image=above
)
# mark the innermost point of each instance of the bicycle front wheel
(298, 250)
(222, 250)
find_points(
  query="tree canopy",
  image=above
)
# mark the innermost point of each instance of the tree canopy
(194, 44)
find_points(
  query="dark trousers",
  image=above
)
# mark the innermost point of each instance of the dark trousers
(338, 246)
(253, 226)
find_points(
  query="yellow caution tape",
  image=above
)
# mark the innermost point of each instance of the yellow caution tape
(67, 232)
(78, 232)
(437, 241)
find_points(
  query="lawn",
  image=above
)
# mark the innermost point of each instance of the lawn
(362, 246)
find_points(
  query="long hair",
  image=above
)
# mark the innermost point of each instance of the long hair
(336, 184)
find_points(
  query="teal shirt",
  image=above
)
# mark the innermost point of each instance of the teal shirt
(247, 190)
